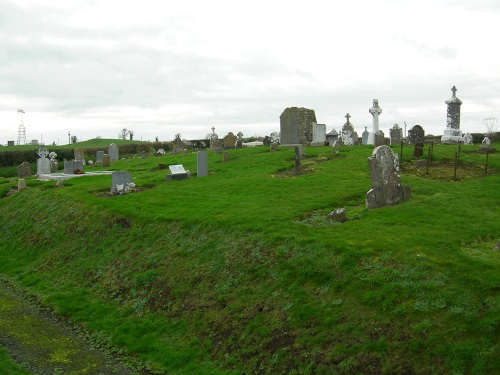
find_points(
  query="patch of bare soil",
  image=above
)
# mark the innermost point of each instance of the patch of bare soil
(445, 170)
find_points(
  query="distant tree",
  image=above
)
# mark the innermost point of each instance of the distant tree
(131, 134)
(123, 134)
(74, 139)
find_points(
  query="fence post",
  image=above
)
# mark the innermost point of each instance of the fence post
(432, 150)
(459, 151)
(428, 160)
(486, 164)
(401, 152)
(456, 166)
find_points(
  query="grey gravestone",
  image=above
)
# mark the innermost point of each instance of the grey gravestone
(318, 134)
(375, 111)
(275, 138)
(73, 167)
(379, 138)
(346, 134)
(416, 135)
(239, 141)
(452, 134)
(396, 134)
(99, 156)
(468, 140)
(273, 147)
(385, 179)
(364, 136)
(332, 137)
(113, 152)
(21, 184)
(43, 163)
(201, 164)
(486, 141)
(419, 150)
(339, 215)
(355, 138)
(54, 166)
(266, 141)
(23, 170)
(177, 172)
(79, 153)
(106, 161)
(230, 140)
(119, 181)
(295, 126)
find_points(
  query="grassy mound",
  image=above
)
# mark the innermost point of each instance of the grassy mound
(240, 272)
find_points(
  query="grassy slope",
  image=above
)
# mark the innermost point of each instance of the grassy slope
(223, 273)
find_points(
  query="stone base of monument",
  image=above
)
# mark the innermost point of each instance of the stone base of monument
(177, 176)
(452, 136)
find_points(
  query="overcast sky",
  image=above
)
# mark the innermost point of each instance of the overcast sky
(159, 68)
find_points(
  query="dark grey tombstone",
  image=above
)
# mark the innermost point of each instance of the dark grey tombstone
(119, 181)
(355, 138)
(113, 152)
(99, 156)
(79, 153)
(289, 128)
(385, 179)
(273, 147)
(230, 140)
(10, 143)
(201, 164)
(419, 150)
(23, 170)
(379, 138)
(396, 135)
(266, 141)
(416, 135)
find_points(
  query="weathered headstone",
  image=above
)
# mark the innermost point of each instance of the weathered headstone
(177, 172)
(468, 140)
(339, 215)
(319, 134)
(295, 126)
(225, 157)
(73, 167)
(418, 152)
(201, 164)
(120, 181)
(266, 141)
(275, 138)
(21, 184)
(385, 179)
(396, 134)
(54, 166)
(486, 141)
(23, 170)
(273, 147)
(416, 134)
(106, 161)
(375, 111)
(239, 141)
(43, 162)
(379, 138)
(230, 140)
(346, 134)
(452, 133)
(113, 152)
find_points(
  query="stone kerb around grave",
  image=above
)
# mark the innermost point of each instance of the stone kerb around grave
(385, 179)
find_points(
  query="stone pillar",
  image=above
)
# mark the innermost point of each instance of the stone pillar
(375, 111)
(452, 134)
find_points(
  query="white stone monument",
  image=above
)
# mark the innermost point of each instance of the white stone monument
(319, 134)
(43, 163)
(375, 111)
(452, 134)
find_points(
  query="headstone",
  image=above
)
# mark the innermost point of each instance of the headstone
(385, 179)
(266, 141)
(143, 155)
(215, 144)
(11, 143)
(120, 182)
(355, 138)
(230, 140)
(364, 136)
(379, 138)
(319, 134)
(452, 133)
(23, 170)
(295, 126)
(54, 166)
(106, 161)
(21, 184)
(178, 144)
(339, 215)
(113, 152)
(416, 134)
(43, 162)
(59, 183)
(79, 153)
(332, 137)
(177, 172)
(396, 134)
(419, 150)
(73, 167)
(486, 141)
(99, 156)
(346, 134)
(275, 138)
(239, 141)
(273, 147)
(375, 111)
(201, 164)
(468, 140)
(225, 157)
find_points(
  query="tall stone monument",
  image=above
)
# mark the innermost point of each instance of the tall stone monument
(43, 163)
(452, 133)
(375, 111)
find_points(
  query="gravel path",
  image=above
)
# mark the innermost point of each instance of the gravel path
(42, 344)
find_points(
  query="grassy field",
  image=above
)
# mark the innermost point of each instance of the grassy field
(240, 272)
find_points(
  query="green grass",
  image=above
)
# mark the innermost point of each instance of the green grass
(239, 271)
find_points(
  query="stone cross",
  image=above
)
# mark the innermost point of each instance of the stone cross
(42, 152)
(240, 135)
(454, 90)
(348, 116)
(375, 111)
(213, 130)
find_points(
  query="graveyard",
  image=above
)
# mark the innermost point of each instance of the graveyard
(239, 269)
